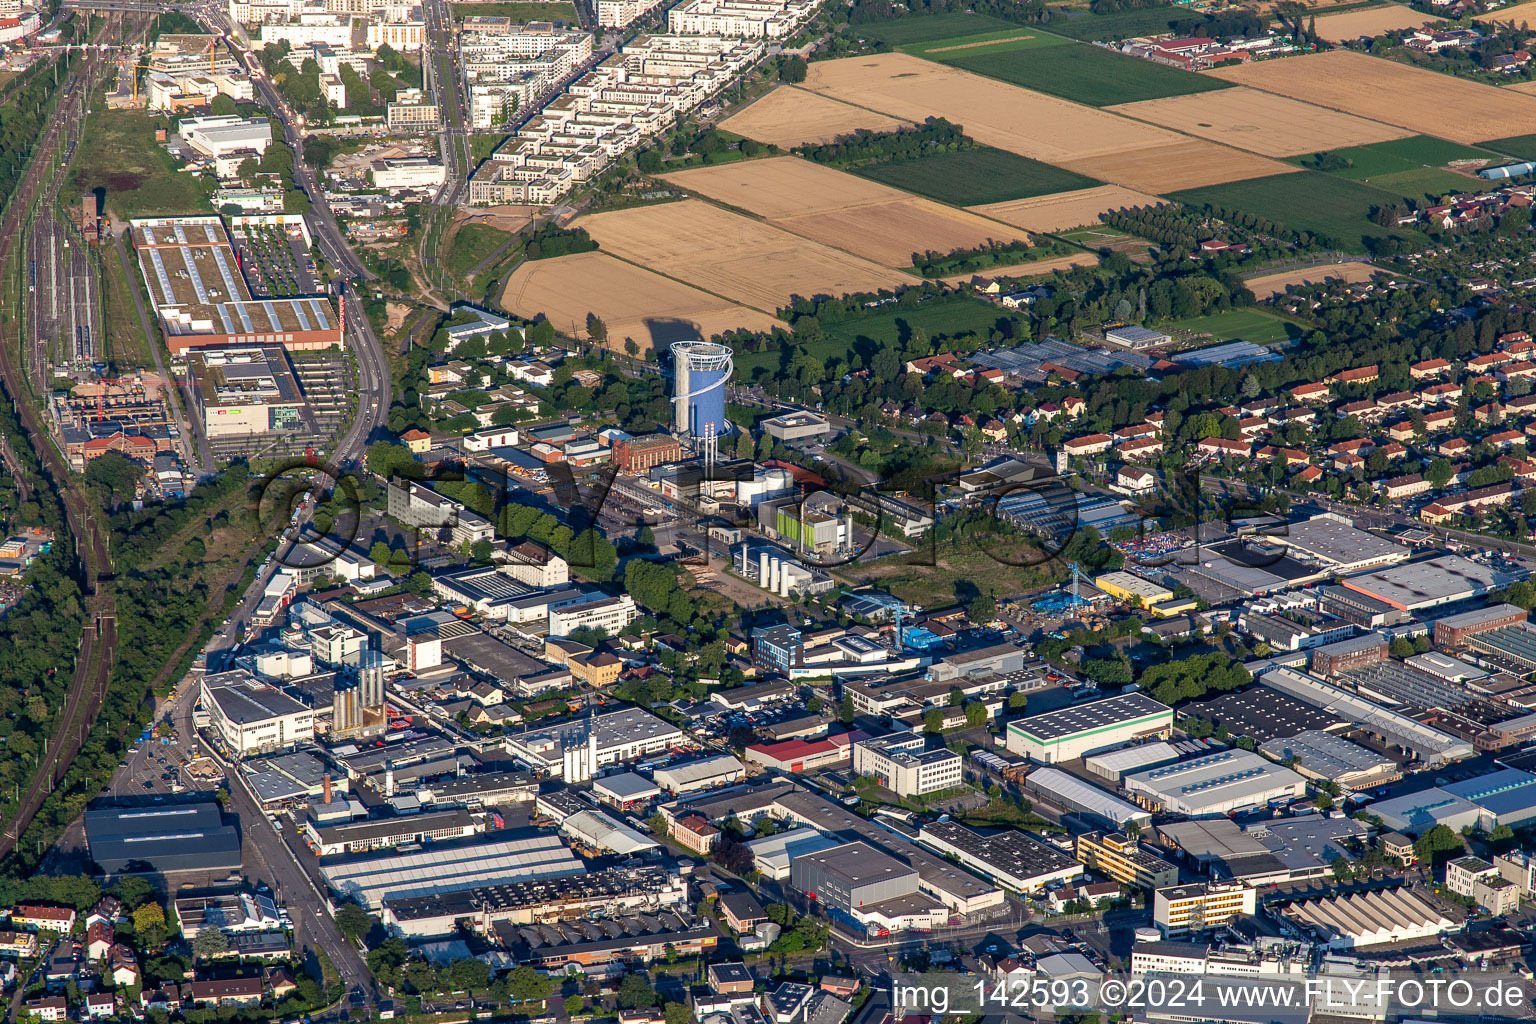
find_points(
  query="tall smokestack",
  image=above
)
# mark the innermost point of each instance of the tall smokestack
(389, 779)
(327, 787)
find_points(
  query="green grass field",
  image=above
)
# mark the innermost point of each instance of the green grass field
(1019, 37)
(118, 154)
(520, 10)
(1308, 201)
(1522, 147)
(1253, 325)
(1427, 183)
(1081, 73)
(917, 28)
(1408, 154)
(473, 243)
(956, 316)
(1120, 25)
(974, 176)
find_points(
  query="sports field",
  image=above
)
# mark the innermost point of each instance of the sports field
(1371, 21)
(632, 302)
(1275, 284)
(970, 177)
(742, 260)
(1067, 209)
(863, 217)
(1383, 90)
(1253, 325)
(1093, 142)
(1409, 154)
(788, 117)
(1311, 201)
(1080, 72)
(1260, 122)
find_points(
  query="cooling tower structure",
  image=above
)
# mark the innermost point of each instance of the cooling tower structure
(701, 371)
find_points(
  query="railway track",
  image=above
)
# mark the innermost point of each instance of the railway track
(98, 638)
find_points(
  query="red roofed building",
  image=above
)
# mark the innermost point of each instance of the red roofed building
(798, 755)
(1428, 368)
(1359, 375)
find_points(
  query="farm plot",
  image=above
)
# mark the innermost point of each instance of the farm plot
(1068, 210)
(1079, 72)
(1410, 154)
(1383, 90)
(1271, 285)
(743, 260)
(918, 28)
(1519, 14)
(971, 177)
(1258, 326)
(1035, 269)
(1522, 147)
(1320, 204)
(788, 117)
(1372, 21)
(1083, 139)
(632, 302)
(1260, 122)
(864, 217)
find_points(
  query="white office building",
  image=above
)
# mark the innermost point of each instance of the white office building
(253, 717)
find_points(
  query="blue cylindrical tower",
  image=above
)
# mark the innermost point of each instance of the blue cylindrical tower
(701, 371)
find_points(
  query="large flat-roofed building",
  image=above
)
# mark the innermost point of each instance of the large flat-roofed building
(383, 833)
(1508, 794)
(768, 19)
(1432, 745)
(1428, 584)
(1010, 858)
(242, 391)
(774, 855)
(596, 611)
(1338, 545)
(222, 135)
(1071, 793)
(1322, 755)
(576, 749)
(796, 426)
(858, 882)
(1417, 813)
(202, 300)
(1124, 859)
(1216, 784)
(1332, 659)
(1370, 918)
(514, 855)
(1069, 733)
(901, 765)
(1182, 910)
(694, 776)
(1453, 631)
(1127, 586)
(162, 839)
(252, 717)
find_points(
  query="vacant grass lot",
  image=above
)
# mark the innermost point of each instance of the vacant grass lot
(1410, 154)
(1081, 73)
(521, 10)
(1018, 37)
(971, 177)
(1120, 25)
(1308, 201)
(473, 243)
(1427, 183)
(916, 28)
(1254, 325)
(126, 344)
(118, 154)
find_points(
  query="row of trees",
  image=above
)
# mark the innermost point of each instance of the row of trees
(935, 135)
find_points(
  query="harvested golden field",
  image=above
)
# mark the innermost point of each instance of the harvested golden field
(1045, 266)
(788, 117)
(1261, 122)
(1035, 125)
(1065, 209)
(1423, 101)
(1520, 14)
(632, 301)
(866, 218)
(1372, 21)
(1529, 88)
(744, 260)
(1275, 284)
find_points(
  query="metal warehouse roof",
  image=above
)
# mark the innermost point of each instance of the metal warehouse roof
(444, 867)
(1510, 794)
(1099, 714)
(1214, 783)
(1131, 758)
(1049, 781)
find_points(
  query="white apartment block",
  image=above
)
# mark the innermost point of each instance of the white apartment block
(507, 72)
(333, 30)
(632, 96)
(400, 35)
(167, 91)
(607, 613)
(619, 13)
(256, 12)
(408, 172)
(748, 19)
